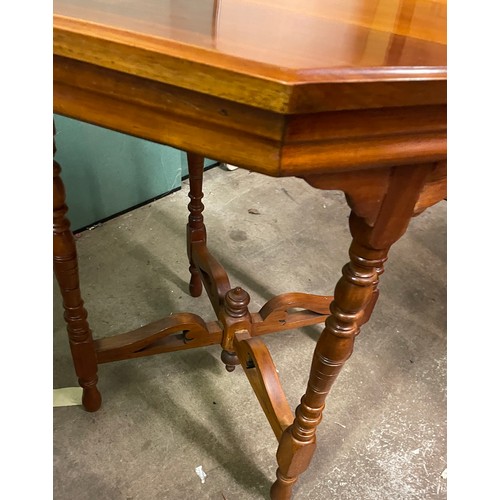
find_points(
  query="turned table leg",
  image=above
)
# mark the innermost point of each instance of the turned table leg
(383, 221)
(353, 295)
(196, 231)
(66, 272)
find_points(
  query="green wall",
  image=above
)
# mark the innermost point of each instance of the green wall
(106, 172)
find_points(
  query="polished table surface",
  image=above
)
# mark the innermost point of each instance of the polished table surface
(280, 58)
(348, 95)
(315, 40)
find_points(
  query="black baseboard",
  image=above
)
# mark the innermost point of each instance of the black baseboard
(139, 205)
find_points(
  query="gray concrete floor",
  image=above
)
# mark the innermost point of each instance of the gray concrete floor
(383, 434)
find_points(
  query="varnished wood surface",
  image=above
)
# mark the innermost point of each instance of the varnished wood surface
(280, 87)
(75, 315)
(285, 33)
(261, 372)
(347, 94)
(277, 54)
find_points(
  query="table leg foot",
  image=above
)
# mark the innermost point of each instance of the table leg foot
(282, 487)
(91, 398)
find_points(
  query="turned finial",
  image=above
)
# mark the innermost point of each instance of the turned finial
(236, 306)
(236, 302)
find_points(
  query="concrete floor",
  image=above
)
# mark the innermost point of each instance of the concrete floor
(383, 434)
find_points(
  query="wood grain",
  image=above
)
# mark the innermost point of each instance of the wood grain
(288, 59)
(282, 34)
(352, 305)
(176, 332)
(348, 95)
(264, 141)
(261, 372)
(195, 230)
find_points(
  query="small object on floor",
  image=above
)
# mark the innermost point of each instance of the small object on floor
(67, 396)
(201, 473)
(228, 166)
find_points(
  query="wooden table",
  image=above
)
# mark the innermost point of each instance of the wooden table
(348, 95)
